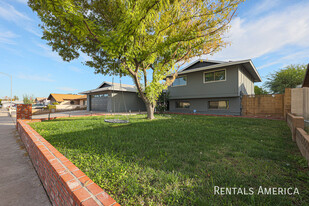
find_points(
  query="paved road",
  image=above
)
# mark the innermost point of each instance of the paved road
(19, 183)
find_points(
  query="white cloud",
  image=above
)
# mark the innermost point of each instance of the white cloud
(9, 13)
(67, 89)
(268, 33)
(7, 37)
(22, 1)
(35, 77)
(76, 69)
(288, 59)
(263, 7)
(47, 51)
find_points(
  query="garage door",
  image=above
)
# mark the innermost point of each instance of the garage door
(99, 102)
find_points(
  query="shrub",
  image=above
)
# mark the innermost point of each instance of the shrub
(55, 103)
(51, 106)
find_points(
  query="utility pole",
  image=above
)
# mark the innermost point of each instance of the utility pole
(10, 76)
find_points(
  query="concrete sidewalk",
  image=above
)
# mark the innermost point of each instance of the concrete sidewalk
(19, 183)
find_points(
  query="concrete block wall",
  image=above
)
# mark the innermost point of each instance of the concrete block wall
(267, 105)
(64, 183)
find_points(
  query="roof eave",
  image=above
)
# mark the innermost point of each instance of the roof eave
(257, 77)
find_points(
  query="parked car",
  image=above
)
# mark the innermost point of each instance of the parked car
(38, 106)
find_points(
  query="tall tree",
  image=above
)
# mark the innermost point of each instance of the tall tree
(28, 99)
(259, 90)
(16, 97)
(135, 37)
(289, 77)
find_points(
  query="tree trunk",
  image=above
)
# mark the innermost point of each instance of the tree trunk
(150, 111)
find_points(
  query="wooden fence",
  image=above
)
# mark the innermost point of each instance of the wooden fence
(273, 105)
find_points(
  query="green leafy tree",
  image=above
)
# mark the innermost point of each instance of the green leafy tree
(16, 97)
(139, 38)
(259, 90)
(28, 99)
(289, 77)
(162, 102)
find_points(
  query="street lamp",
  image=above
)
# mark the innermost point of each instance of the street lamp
(11, 83)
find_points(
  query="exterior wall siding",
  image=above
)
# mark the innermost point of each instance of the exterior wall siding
(196, 88)
(245, 82)
(123, 102)
(201, 106)
(116, 102)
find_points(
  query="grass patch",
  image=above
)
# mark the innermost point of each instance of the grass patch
(177, 159)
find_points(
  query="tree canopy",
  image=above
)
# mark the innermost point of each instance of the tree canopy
(289, 77)
(135, 37)
(259, 90)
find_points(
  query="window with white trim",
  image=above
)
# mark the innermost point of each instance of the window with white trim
(219, 75)
(218, 104)
(180, 81)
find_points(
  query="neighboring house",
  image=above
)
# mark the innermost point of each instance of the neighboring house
(68, 99)
(212, 87)
(42, 100)
(306, 79)
(113, 97)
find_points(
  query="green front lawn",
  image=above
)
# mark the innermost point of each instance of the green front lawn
(177, 159)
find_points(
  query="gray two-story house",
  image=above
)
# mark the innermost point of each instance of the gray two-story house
(212, 87)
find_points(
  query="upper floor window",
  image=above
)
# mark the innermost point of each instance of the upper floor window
(180, 81)
(214, 76)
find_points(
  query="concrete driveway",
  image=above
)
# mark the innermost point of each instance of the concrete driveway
(19, 183)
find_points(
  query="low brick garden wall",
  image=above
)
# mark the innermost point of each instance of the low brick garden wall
(294, 122)
(299, 135)
(302, 141)
(64, 183)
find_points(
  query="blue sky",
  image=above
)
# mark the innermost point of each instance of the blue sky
(273, 33)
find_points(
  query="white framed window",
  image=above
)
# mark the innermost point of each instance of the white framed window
(183, 104)
(214, 76)
(180, 81)
(218, 104)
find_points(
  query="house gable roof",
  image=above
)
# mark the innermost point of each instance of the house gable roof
(40, 98)
(306, 79)
(63, 97)
(248, 65)
(109, 86)
(200, 63)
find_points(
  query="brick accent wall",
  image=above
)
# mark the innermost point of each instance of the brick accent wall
(302, 140)
(24, 111)
(64, 183)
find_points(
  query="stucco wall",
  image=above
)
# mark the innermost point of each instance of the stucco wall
(300, 102)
